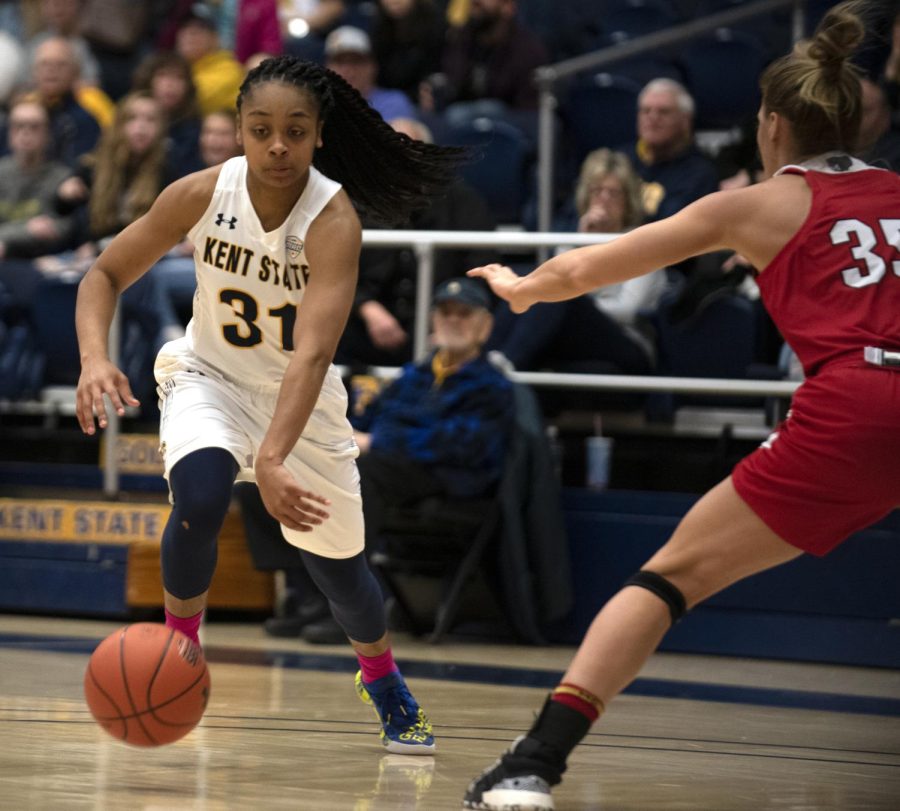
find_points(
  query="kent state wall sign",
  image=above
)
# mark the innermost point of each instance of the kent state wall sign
(81, 521)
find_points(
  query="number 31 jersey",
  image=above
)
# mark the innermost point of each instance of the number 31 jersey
(250, 282)
(835, 287)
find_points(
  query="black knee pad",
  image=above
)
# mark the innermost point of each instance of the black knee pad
(668, 592)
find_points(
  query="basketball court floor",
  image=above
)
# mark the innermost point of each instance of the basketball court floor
(284, 730)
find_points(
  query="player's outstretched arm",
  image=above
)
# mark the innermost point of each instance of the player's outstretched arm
(130, 254)
(701, 227)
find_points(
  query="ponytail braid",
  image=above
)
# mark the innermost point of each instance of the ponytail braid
(387, 175)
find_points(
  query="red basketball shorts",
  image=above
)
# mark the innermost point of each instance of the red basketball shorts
(833, 466)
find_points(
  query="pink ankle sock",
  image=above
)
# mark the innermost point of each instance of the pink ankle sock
(189, 626)
(376, 667)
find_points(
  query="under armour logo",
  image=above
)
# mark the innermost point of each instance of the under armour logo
(222, 220)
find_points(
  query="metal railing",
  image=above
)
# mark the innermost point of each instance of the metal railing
(548, 76)
(425, 243)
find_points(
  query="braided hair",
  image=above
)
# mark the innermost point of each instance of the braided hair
(387, 175)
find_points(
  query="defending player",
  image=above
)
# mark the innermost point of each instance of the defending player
(824, 230)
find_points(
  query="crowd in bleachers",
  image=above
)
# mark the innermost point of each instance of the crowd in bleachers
(104, 102)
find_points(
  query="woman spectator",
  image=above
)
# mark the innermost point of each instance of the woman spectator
(175, 272)
(167, 77)
(114, 186)
(596, 332)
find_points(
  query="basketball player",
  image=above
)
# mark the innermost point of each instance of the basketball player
(250, 391)
(824, 230)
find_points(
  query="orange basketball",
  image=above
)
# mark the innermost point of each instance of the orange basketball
(147, 684)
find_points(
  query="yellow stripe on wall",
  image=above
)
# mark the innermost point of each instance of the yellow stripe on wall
(81, 521)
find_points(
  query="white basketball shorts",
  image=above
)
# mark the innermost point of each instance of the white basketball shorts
(202, 408)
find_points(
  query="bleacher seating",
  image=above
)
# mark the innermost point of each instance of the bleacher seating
(627, 19)
(722, 73)
(503, 156)
(600, 109)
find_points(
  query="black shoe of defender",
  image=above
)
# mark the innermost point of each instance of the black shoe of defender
(519, 781)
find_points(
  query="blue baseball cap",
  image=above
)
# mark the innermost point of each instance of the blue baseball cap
(464, 290)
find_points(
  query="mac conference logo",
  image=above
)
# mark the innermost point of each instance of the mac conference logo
(293, 245)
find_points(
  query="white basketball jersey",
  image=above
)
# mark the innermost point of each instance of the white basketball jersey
(250, 282)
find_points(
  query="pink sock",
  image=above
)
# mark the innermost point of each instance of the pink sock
(189, 626)
(376, 667)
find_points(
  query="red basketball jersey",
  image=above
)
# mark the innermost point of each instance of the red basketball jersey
(835, 287)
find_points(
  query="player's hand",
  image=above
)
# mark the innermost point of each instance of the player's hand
(503, 282)
(98, 378)
(286, 501)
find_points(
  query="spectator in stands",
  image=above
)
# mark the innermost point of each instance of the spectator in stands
(168, 77)
(488, 66)
(112, 187)
(61, 18)
(306, 23)
(440, 428)
(217, 74)
(29, 225)
(878, 143)
(665, 156)
(348, 52)
(380, 325)
(246, 28)
(218, 138)
(74, 131)
(596, 332)
(175, 272)
(407, 41)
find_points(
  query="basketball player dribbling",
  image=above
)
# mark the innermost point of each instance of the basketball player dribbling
(824, 232)
(250, 391)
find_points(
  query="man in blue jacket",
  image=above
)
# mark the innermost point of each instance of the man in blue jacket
(441, 427)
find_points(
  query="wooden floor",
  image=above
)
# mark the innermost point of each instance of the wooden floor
(284, 730)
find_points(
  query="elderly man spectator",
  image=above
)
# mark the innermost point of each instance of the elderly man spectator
(74, 131)
(674, 171)
(348, 52)
(440, 429)
(61, 18)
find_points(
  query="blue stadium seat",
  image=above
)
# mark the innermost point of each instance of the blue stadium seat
(772, 30)
(645, 69)
(722, 73)
(567, 29)
(628, 19)
(53, 316)
(503, 158)
(600, 110)
(717, 340)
